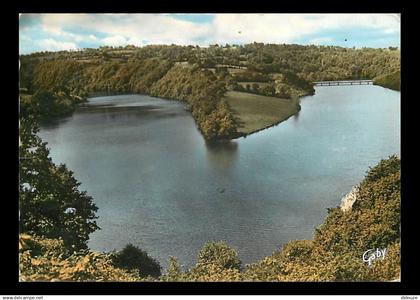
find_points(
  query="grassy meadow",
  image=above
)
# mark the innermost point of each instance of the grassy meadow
(255, 112)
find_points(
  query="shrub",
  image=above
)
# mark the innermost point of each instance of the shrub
(219, 253)
(50, 203)
(44, 259)
(133, 258)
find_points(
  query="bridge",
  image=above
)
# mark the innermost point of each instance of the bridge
(343, 82)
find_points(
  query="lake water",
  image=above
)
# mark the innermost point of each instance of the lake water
(160, 187)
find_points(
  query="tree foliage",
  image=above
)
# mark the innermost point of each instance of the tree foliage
(133, 258)
(42, 259)
(391, 81)
(203, 91)
(50, 202)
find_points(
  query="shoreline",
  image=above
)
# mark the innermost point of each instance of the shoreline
(244, 135)
(254, 113)
(233, 137)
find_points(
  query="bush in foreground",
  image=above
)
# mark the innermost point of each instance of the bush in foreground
(44, 259)
(133, 258)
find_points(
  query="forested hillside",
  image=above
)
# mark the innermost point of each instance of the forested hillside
(391, 81)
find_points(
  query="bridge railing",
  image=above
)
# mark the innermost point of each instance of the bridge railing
(343, 82)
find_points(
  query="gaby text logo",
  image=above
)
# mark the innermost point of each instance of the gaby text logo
(371, 255)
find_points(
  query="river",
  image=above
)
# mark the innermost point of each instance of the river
(160, 187)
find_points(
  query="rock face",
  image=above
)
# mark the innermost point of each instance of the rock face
(348, 200)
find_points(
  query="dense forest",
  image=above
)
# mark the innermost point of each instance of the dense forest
(198, 75)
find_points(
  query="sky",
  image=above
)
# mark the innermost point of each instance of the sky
(55, 32)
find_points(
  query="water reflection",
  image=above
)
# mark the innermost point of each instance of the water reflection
(222, 155)
(295, 117)
(55, 123)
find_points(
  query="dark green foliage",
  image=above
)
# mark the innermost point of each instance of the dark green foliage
(252, 76)
(45, 102)
(50, 202)
(45, 105)
(133, 258)
(293, 80)
(26, 72)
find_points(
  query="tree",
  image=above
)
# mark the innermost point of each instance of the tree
(50, 203)
(133, 258)
(255, 87)
(44, 100)
(220, 254)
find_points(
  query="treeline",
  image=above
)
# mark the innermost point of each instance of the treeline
(335, 253)
(46, 105)
(134, 76)
(80, 78)
(310, 62)
(285, 85)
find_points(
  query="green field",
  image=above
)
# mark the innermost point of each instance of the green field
(255, 112)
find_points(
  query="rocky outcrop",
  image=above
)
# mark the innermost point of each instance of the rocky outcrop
(348, 200)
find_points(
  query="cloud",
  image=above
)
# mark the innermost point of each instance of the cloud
(158, 29)
(53, 45)
(287, 28)
(59, 32)
(115, 40)
(321, 41)
(94, 30)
